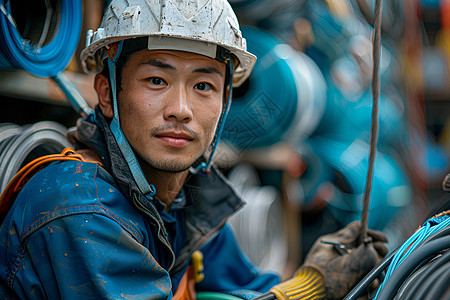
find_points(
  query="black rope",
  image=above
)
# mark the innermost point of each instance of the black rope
(410, 286)
(425, 279)
(441, 289)
(370, 277)
(431, 283)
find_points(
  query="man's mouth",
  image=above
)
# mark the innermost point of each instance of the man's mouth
(175, 139)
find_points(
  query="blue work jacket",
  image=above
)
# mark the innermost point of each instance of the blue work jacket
(82, 231)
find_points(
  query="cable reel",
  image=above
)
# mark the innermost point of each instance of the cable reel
(283, 99)
(257, 225)
(40, 45)
(21, 144)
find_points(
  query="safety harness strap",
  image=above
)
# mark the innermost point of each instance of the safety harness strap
(194, 274)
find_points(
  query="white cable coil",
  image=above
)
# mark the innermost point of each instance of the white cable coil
(20, 144)
(259, 226)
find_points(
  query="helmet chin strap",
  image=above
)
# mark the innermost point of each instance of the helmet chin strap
(147, 189)
(205, 168)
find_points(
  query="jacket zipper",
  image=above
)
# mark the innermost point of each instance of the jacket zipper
(162, 237)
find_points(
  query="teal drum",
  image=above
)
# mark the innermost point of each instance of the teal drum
(283, 100)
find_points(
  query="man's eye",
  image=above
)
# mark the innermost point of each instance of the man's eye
(156, 81)
(203, 86)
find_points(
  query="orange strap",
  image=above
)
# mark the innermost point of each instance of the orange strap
(16, 184)
(186, 287)
(193, 275)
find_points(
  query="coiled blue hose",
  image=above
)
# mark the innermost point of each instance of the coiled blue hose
(282, 100)
(40, 60)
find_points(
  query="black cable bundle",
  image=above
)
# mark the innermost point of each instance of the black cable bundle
(424, 274)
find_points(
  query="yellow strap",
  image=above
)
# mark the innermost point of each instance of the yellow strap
(197, 266)
(193, 275)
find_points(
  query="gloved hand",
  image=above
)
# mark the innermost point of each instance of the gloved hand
(329, 273)
(342, 271)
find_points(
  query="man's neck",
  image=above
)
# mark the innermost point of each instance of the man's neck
(167, 184)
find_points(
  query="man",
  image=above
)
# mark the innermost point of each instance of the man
(126, 226)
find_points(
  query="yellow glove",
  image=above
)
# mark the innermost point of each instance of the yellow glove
(307, 283)
(329, 271)
(343, 267)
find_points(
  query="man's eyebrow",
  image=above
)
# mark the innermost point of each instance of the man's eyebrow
(208, 70)
(159, 64)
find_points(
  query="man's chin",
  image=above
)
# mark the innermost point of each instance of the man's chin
(171, 170)
(171, 166)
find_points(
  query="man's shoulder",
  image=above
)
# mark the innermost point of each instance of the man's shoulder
(74, 182)
(68, 188)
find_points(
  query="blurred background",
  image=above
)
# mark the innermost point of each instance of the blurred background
(296, 142)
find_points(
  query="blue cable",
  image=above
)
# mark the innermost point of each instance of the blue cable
(45, 61)
(428, 228)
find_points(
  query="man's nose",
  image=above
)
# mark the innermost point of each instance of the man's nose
(178, 105)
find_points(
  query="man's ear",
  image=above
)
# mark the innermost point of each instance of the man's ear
(101, 86)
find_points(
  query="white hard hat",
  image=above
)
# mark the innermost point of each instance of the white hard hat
(198, 26)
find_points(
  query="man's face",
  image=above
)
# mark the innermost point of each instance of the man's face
(169, 106)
